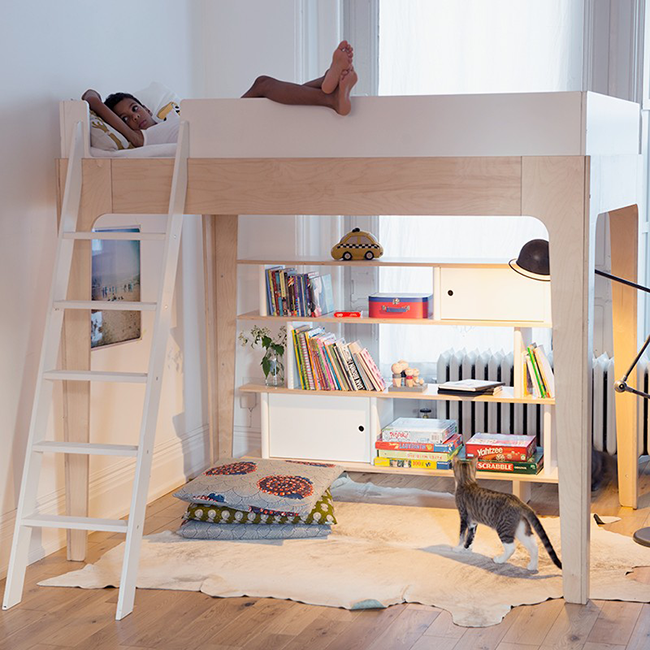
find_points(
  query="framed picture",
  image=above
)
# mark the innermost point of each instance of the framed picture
(115, 277)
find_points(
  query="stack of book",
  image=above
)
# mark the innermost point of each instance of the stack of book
(421, 443)
(498, 452)
(290, 293)
(539, 380)
(327, 363)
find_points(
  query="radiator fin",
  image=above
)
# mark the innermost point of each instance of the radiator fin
(527, 418)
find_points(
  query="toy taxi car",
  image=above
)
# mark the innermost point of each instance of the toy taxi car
(357, 245)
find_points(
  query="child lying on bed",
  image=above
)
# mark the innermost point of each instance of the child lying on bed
(135, 122)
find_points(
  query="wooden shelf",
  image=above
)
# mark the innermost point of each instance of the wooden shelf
(255, 315)
(506, 396)
(550, 477)
(383, 261)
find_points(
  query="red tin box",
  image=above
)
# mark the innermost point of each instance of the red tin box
(400, 305)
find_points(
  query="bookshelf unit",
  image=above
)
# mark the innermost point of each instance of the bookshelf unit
(344, 424)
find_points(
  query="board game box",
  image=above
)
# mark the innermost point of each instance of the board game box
(500, 446)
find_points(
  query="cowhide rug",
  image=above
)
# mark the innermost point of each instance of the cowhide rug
(391, 545)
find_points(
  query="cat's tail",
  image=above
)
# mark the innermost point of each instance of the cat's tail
(532, 519)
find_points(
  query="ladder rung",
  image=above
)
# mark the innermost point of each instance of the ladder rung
(91, 448)
(75, 523)
(92, 375)
(117, 236)
(112, 305)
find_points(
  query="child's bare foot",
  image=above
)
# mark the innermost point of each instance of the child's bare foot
(341, 60)
(342, 103)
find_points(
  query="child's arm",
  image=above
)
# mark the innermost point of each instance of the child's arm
(94, 99)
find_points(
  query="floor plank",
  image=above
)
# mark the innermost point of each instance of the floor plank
(405, 630)
(56, 618)
(615, 622)
(572, 626)
(533, 623)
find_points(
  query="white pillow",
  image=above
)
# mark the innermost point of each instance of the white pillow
(104, 136)
(159, 99)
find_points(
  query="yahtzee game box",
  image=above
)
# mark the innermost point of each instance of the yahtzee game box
(500, 446)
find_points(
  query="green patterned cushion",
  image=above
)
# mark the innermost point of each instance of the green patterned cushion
(323, 513)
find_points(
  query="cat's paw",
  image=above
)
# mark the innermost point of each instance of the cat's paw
(499, 559)
(461, 549)
(532, 566)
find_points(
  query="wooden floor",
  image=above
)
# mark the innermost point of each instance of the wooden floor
(50, 618)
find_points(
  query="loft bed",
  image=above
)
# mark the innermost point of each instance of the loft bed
(564, 158)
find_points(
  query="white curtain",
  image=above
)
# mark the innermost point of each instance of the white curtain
(467, 46)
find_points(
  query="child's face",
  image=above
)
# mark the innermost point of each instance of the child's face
(134, 115)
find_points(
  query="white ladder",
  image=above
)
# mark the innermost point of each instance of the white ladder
(27, 515)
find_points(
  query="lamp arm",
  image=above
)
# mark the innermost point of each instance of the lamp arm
(621, 386)
(622, 280)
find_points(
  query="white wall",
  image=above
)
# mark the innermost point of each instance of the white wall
(53, 51)
(56, 50)
(286, 39)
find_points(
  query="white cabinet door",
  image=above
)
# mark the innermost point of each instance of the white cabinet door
(320, 427)
(492, 294)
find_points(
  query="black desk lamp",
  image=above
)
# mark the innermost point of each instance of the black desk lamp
(533, 263)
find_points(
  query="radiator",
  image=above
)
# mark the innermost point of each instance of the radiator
(474, 417)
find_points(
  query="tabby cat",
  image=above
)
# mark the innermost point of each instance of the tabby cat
(505, 513)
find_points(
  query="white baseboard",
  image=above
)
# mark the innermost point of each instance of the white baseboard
(245, 441)
(110, 492)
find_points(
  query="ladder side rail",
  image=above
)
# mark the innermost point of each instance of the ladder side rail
(19, 556)
(154, 384)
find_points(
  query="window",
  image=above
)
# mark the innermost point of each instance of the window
(454, 47)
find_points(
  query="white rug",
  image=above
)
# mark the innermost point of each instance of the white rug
(379, 554)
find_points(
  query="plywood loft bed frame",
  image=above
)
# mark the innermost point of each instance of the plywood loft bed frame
(564, 158)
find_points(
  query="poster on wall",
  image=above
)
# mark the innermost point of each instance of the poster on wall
(115, 277)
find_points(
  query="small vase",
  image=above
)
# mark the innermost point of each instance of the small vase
(273, 368)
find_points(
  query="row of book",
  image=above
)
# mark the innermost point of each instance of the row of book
(538, 372)
(327, 363)
(433, 443)
(290, 293)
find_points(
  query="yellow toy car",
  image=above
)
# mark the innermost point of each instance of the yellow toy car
(357, 245)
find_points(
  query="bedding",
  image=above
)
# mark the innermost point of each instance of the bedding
(104, 137)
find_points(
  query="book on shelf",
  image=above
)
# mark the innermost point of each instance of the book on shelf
(500, 447)
(545, 369)
(306, 295)
(538, 379)
(321, 294)
(413, 463)
(367, 365)
(449, 445)
(441, 456)
(324, 362)
(419, 430)
(470, 387)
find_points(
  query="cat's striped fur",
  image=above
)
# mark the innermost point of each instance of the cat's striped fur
(508, 515)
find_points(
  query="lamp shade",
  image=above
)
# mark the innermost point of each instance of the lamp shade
(533, 261)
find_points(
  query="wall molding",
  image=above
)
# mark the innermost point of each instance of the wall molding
(115, 481)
